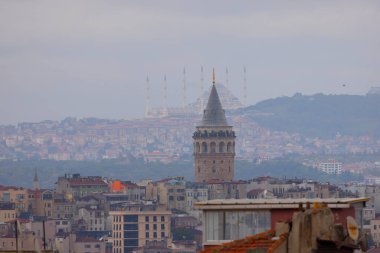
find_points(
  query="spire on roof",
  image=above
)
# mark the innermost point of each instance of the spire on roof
(213, 76)
(214, 114)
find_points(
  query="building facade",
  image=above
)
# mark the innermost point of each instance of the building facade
(138, 225)
(74, 186)
(227, 220)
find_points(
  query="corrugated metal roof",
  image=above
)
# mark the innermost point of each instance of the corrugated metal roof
(275, 203)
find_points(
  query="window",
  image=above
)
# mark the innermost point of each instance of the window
(162, 226)
(146, 226)
(221, 147)
(213, 147)
(146, 234)
(231, 225)
(162, 234)
(162, 218)
(87, 246)
(131, 234)
(155, 218)
(155, 234)
(154, 226)
(146, 218)
(130, 218)
(204, 147)
(131, 242)
(130, 227)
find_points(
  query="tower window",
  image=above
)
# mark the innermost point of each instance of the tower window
(197, 148)
(222, 147)
(204, 147)
(229, 147)
(213, 162)
(213, 147)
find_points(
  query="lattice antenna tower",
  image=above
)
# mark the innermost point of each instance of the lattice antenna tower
(184, 88)
(147, 97)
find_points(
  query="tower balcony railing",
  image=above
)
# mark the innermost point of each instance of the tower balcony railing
(214, 134)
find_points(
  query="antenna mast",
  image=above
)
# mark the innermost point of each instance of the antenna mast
(147, 98)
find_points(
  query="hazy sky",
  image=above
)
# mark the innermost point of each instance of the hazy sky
(91, 58)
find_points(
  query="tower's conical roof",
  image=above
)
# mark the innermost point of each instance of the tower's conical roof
(214, 114)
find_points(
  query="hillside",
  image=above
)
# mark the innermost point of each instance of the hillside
(319, 115)
(21, 173)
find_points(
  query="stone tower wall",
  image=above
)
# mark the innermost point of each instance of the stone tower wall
(214, 153)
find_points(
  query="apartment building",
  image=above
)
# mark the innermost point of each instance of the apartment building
(170, 192)
(135, 224)
(74, 186)
(7, 211)
(17, 195)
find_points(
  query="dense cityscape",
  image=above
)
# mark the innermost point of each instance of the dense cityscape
(100, 214)
(189, 126)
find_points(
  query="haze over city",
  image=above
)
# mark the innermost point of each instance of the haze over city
(91, 58)
(189, 126)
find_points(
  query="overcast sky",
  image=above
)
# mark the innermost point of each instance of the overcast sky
(91, 58)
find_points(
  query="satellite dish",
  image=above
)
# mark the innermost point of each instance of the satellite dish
(352, 227)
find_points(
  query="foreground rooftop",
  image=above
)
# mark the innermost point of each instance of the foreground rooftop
(276, 203)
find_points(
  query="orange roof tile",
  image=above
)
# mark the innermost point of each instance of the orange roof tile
(262, 240)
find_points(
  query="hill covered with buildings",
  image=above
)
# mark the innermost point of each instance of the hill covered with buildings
(323, 116)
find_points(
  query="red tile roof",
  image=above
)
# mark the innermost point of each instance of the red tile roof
(6, 188)
(262, 240)
(87, 181)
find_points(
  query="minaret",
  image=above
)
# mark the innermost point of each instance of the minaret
(227, 78)
(165, 98)
(36, 184)
(245, 87)
(184, 88)
(147, 97)
(214, 143)
(202, 88)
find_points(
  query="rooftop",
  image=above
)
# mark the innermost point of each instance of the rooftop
(87, 181)
(214, 114)
(275, 203)
(265, 241)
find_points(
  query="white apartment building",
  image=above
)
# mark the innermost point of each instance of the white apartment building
(331, 167)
